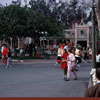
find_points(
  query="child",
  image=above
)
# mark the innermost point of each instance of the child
(71, 65)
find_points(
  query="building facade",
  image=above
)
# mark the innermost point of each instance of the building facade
(79, 34)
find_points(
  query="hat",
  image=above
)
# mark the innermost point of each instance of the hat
(66, 47)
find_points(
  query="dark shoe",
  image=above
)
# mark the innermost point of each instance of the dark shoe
(76, 69)
(64, 78)
(75, 78)
(67, 80)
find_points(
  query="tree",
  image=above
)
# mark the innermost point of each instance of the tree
(13, 22)
(51, 17)
(19, 21)
(67, 13)
(40, 6)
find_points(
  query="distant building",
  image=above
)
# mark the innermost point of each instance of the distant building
(79, 34)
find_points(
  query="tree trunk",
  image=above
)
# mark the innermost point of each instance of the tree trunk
(14, 41)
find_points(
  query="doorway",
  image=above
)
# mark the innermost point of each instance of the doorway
(82, 43)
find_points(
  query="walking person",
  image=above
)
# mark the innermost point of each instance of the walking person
(9, 59)
(66, 42)
(5, 54)
(71, 65)
(98, 58)
(2, 54)
(60, 52)
(78, 55)
(90, 54)
(64, 63)
(85, 55)
(21, 54)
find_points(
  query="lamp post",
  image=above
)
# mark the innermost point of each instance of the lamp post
(93, 71)
(44, 38)
(93, 36)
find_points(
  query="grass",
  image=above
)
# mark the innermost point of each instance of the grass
(25, 57)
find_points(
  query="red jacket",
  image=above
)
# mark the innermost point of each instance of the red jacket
(64, 64)
(5, 51)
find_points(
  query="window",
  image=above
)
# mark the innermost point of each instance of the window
(82, 33)
(72, 34)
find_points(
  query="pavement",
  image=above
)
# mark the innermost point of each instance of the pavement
(40, 78)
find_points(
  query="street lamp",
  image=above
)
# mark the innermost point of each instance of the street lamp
(93, 71)
(93, 36)
(44, 38)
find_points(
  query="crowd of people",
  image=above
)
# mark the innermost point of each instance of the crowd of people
(70, 57)
(66, 57)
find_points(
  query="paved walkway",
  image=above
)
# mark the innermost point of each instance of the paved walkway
(41, 79)
(35, 61)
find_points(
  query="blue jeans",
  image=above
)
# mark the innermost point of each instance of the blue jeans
(9, 61)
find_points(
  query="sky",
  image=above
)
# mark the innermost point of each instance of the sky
(9, 1)
(22, 1)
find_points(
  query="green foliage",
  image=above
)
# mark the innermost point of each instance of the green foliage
(16, 21)
(13, 21)
(51, 17)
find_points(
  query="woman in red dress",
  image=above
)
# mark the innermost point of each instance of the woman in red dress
(64, 63)
(5, 53)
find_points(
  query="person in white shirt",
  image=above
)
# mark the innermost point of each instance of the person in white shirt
(71, 65)
(90, 54)
(78, 56)
(98, 58)
(2, 56)
(60, 53)
(21, 54)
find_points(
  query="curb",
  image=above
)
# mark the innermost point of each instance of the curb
(15, 60)
(29, 61)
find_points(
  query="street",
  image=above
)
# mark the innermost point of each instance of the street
(42, 79)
